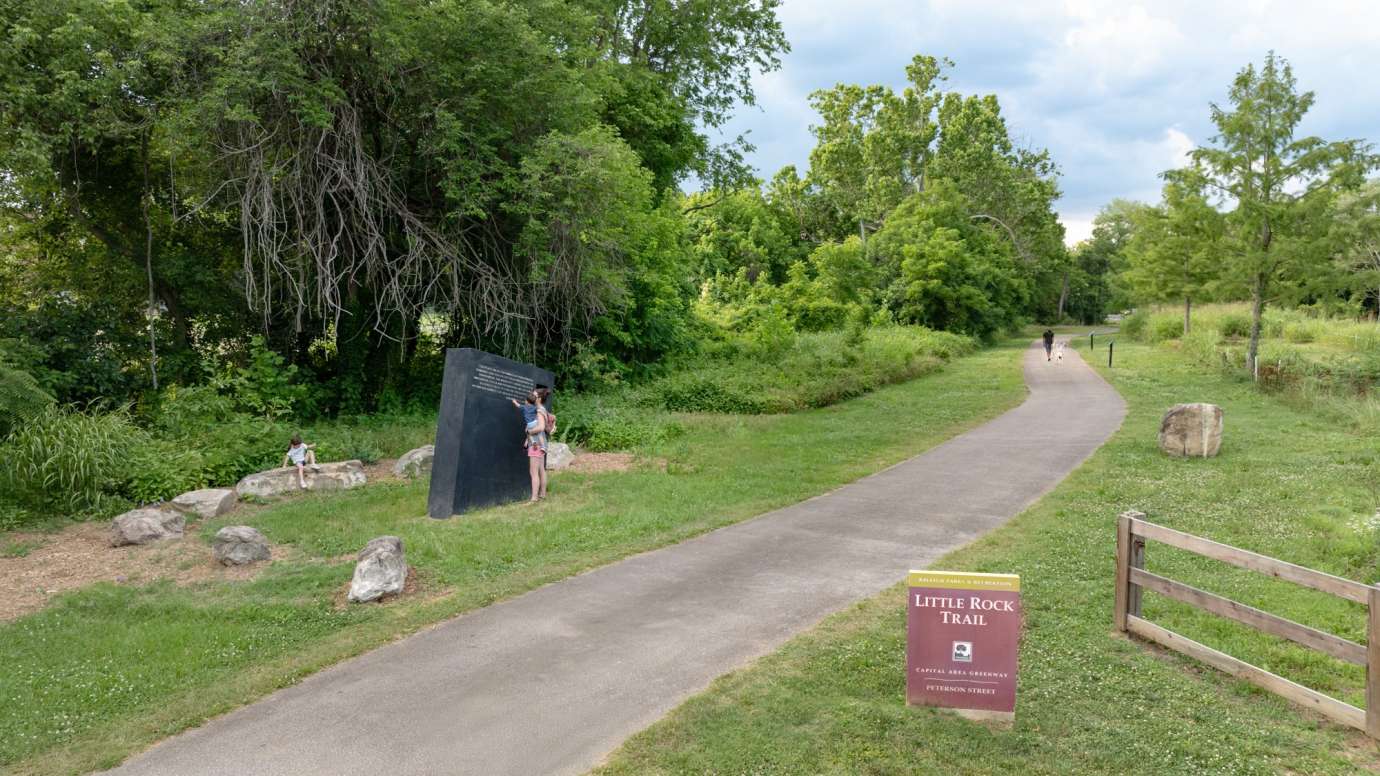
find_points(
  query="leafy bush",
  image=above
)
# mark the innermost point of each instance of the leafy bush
(1272, 324)
(242, 446)
(192, 410)
(1163, 329)
(819, 369)
(1134, 325)
(158, 470)
(1201, 345)
(1234, 325)
(772, 335)
(13, 516)
(69, 460)
(602, 423)
(265, 385)
(716, 392)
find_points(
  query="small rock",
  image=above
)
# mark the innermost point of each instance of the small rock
(239, 545)
(559, 455)
(1192, 430)
(415, 463)
(149, 524)
(206, 503)
(339, 475)
(381, 570)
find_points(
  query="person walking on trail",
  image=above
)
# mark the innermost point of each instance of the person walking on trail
(1049, 343)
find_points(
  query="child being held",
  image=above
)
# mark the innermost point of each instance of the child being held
(531, 413)
(301, 455)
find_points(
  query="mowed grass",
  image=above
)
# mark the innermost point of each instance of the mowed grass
(105, 671)
(1090, 701)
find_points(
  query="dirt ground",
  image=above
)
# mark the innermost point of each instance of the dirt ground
(609, 462)
(81, 555)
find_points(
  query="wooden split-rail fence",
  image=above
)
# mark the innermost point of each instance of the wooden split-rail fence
(1132, 578)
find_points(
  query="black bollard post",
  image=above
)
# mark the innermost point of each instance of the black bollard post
(1110, 346)
(1092, 340)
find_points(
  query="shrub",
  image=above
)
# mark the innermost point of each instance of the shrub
(1272, 324)
(855, 335)
(192, 410)
(69, 460)
(1134, 326)
(13, 516)
(242, 446)
(265, 384)
(1163, 329)
(772, 335)
(711, 393)
(605, 423)
(158, 470)
(1235, 325)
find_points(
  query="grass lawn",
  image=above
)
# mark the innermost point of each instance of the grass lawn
(1287, 484)
(107, 670)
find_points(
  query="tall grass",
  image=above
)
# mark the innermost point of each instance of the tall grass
(1313, 361)
(68, 459)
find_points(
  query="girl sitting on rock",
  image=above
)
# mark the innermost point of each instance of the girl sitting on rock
(301, 456)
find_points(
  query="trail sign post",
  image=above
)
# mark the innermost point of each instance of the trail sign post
(962, 635)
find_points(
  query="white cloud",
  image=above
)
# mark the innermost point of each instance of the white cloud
(1077, 228)
(1117, 91)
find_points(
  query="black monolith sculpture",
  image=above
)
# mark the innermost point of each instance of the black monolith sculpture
(480, 460)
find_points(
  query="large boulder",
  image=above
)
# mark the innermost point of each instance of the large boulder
(206, 503)
(415, 463)
(340, 475)
(145, 525)
(381, 570)
(559, 455)
(1192, 430)
(239, 545)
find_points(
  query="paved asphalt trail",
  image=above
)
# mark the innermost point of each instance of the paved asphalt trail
(552, 681)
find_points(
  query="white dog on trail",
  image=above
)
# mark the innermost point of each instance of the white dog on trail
(1059, 351)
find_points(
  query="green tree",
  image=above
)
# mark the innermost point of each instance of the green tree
(1355, 234)
(1175, 252)
(1103, 258)
(1275, 180)
(680, 65)
(336, 170)
(949, 272)
(873, 146)
(741, 229)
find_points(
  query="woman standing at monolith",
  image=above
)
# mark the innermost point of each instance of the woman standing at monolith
(535, 422)
(548, 418)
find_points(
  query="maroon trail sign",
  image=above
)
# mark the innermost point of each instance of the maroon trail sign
(962, 634)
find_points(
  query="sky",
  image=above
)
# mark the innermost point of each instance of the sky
(1118, 92)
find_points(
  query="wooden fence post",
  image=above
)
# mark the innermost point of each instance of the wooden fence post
(1137, 562)
(1123, 570)
(1130, 553)
(1373, 664)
